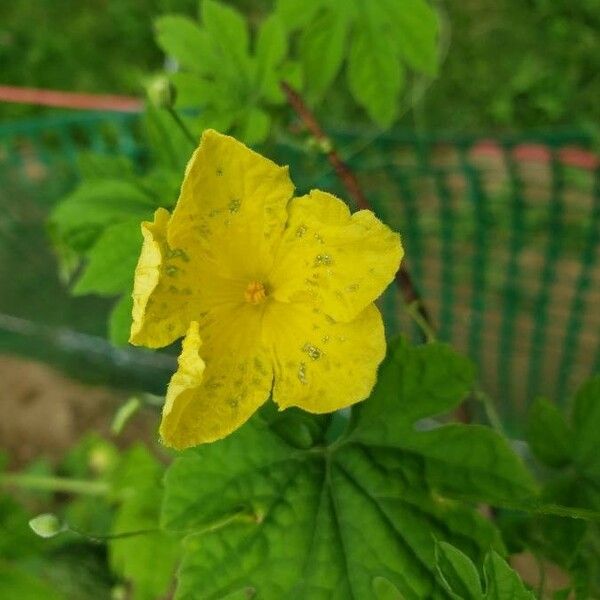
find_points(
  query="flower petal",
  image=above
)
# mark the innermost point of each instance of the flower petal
(162, 291)
(208, 399)
(321, 365)
(232, 207)
(335, 260)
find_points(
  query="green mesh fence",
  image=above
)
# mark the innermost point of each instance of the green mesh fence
(502, 240)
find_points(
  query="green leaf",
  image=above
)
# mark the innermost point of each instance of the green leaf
(147, 560)
(586, 423)
(192, 91)
(119, 322)
(112, 260)
(384, 589)
(291, 521)
(255, 126)
(375, 76)
(461, 580)
(295, 14)
(548, 434)
(415, 33)
(428, 381)
(16, 582)
(321, 50)
(502, 583)
(271, 49)
(102, 166)
(80, 216)
(457, 573)
(182, 38)
(227, 30)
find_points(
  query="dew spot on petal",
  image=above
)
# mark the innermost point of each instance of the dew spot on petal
(302, 373)
(313, 352)
(323, 260)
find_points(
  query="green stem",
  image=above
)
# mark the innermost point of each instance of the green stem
(54, 484)
(489, 407)
(184, 128)
(101, 538)
(414, 311)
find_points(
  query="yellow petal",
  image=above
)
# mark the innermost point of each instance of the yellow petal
(335, 260)
(162, 294)
(321, 365)
(232, 207)
(220, 383)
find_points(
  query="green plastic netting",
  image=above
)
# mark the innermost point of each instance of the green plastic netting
(502, 239)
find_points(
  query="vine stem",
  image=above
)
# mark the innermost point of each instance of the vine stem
(182, 126)
(349, 180)
(54, 484)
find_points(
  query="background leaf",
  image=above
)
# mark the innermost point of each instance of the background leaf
(375, 76)
(148, 560)
(119, 322)
(112, 260)
(549, 436)
(181, 38)
(322, 49)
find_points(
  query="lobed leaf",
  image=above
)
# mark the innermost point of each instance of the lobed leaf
(375, 76)
(350, 519)
(322, 50)
(181, 38)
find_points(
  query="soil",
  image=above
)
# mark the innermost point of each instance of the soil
(44, 413)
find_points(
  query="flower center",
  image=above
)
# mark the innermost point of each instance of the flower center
(255, 292)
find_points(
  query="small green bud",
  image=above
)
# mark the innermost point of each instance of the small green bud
(46, 525)
(161, 92)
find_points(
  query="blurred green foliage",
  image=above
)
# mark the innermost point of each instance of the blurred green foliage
(509, 64)
(517, 64)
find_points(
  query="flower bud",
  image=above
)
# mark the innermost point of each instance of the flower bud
(161, 92)
(46, 525)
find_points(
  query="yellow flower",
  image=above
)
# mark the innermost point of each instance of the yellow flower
(273, 294)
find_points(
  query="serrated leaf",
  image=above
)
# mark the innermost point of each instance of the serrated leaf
(375, 76)
(327, 521)
(321, 48)
(415, 33)
(147, 560)
(548, 434)
(112, 260)
(428, 381)
(457, 573)
(119, 321)
(502, 582)
(181, 38)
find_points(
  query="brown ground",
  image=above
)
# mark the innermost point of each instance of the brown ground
(44, 413)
